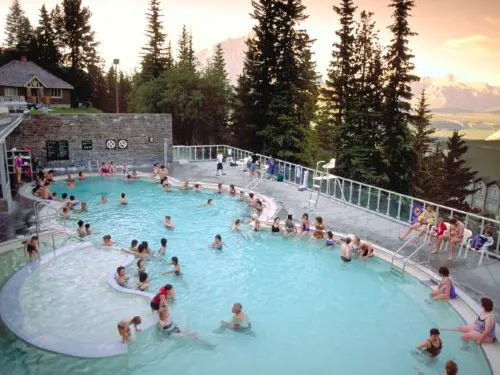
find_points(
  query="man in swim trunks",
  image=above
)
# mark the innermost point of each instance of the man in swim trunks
(239, 321)
(345, 250)
(124, 327)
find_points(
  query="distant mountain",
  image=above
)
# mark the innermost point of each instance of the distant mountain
(446, 94)
(452, 96)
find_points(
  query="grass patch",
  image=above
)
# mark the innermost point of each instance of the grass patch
(68, 111)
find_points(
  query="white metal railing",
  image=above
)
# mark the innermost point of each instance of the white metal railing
(382, 202)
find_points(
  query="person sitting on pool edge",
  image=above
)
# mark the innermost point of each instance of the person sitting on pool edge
(165, 293)
(433, 345)
(177, 268)
(445, 289)
(345, 251)
(124, 327)
(217, 244)
(240, 320)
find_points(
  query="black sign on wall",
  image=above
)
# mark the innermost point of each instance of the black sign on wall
(87, 145)
(57, 150)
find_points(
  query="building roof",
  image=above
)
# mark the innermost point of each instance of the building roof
(20, 73)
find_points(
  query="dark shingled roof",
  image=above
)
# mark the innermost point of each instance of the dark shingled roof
(19, 73)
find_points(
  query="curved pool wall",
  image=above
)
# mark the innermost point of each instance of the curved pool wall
(465, 306)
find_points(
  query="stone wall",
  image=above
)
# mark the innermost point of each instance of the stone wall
(136, 129)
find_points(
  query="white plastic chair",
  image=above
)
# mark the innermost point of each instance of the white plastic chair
(242, 163)
(432, 229)
(465, 240)
(483, 250)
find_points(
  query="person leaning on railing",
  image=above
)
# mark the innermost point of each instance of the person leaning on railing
(426, 219)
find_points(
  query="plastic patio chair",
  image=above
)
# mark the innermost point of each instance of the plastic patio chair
(483, 250)
(465, 240)
(242, 163)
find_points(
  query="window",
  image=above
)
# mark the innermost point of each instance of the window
(10, 91)
(56, 93)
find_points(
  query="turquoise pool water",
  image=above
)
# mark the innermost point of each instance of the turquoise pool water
(310, 313)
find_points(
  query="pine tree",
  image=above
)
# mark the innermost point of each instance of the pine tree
(17, 27)
(398, 137)
(155, 58)
(111, 78)
(169, 57)
(364, 114)
(337, 93)
(185, 50)
(457, 176)
(432, 183)
(47, 51)
(421, 143)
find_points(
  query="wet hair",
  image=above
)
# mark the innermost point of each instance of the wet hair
(168, 217)
(123, 195)
(237, 221)
(319, 219)
(487, 304)
(104, 197)
(129, 176)
(155, 165)
(329, 234)
(80, 223)
(143, 276)
(168, 287)
(141, 248)
(231, 186)
(34, 190)
(145, 244)
(239, 306)
(72, 198)
(162, 166)
(54, 194)
(136, 320)
(34, 238)
(80, 173)
(218, 237)
(434, 332)
(64, 195)
(134, 243)
(305, 216)
(175, 260)
(348, 240)
(139, 262)
(277, 218)
(453, 221)
(87, 225)
(119, 269)
(250, 195)
(163, 242)
(444, 271)
(209, 201)
(451, 368)
(290, 217)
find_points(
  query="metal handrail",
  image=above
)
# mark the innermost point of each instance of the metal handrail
(398, 250)
(376, 196)
(412, 254)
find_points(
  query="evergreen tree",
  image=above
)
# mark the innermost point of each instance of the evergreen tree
(338, 90)
(46, 50)
(432, 183)
(457, 177)
(169, 57)
(185, 50)
(124, 92)
(398, 137)
(421, 143)
(111, 78)
(364, 114)
(18, 32)
(155, 58)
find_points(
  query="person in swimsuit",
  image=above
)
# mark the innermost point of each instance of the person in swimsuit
(236, 225)
(155, 171)
(124, 327)
(365, 251)
(185, 185)
(73, 201)
(276, 226)
(257, 226)
(482, 331)
(143, 283)
(128, 178)
(433, 345)
(84, 207)
(65, 213)
(160, 299)
(289, 226)
(330, 239)
(163, 246)
(163, 174)
(231, 190)
(177, 267)
(141, 266)
(64, 198)
(304, 229)
(345, 250)
(146, 248)
(81, 229)
(251, 200)
(424, 221)
(104, 170)
(242, 195)
(112, 169)
(88, 231)
(168, 222)
(44, 192)
(454, 235)
(81, 177)
(219, 189)
(319, 231)
(106, 241)
(31, 247)
(258, 210)
(240, 320)
(121, 277)
(197, 187)
(104, 199)
(218, 244)
(19, 168)
(123, 199)
(54, 196)
(445, 289)
(451, 368)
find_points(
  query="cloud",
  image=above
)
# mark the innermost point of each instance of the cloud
(477, 46)
(457, 43)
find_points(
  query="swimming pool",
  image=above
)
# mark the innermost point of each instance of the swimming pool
(310, 313)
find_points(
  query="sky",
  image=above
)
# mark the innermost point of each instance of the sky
(459, 37)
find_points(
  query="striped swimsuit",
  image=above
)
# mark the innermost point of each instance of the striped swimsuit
(480, 326)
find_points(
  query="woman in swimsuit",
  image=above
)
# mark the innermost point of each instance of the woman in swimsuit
(257, 226)
(168, 222)
(104, 170)
(81, 177)
(276, 226)
(258, 210)
(304, 229)
(31, 247)
(289, 226)
(143, 283)
(330, 239)
(232, 190)
(19, 167)
(319, 231)
(177, 268)
(141, 266)
(445, 289)
(433, 345)
(482, 331)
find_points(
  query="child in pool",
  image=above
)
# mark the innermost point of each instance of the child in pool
(124, 327)
(330, 239)
(84, 207)
(242, 195)
(257, 226)
(81, 229)
(31, 247)
(219, 189)
(218, 244)
(177, 268)
(236, 225)
(168, 222)
(104, 199)
(231, 190)
(88, 231)
(163, 247)
(106, 240)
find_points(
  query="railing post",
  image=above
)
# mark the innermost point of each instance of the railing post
(399, 209)
(388, 213)
(369, 196)
(359, 194)
(411, 210)
(350, 194)
(378, 200)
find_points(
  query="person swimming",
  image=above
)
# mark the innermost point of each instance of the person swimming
(84, 207)
(121, 277)
(73, 201)
(218, 244)
(141, 266)
(106, 240)
(81, 177)
(168, 222)
(81, 229)
(198, 187)
(123, 199)
(239, 322)
(257, 226)
(219, 189)
(104, 199)
(177, 268)
(231, 190)
(236, 225)
(163, 246)
(88, 231)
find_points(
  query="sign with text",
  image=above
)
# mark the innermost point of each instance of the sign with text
(87, 145)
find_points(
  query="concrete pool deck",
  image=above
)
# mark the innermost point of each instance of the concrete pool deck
(477, 281)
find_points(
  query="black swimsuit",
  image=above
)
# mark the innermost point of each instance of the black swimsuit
(275, 229)
(432, 350)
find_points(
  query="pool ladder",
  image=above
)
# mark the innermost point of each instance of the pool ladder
(400, 271)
